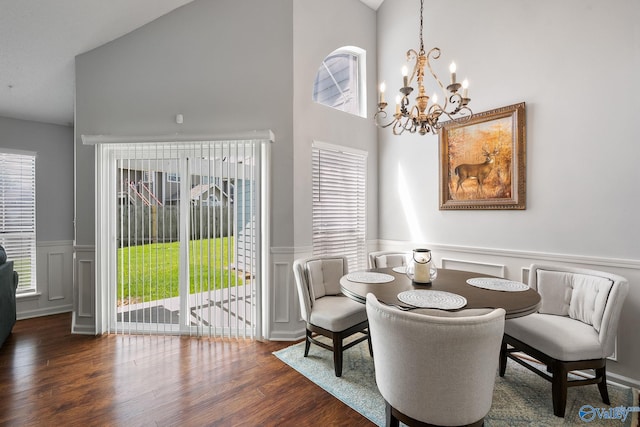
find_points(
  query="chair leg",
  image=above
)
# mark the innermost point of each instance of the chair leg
(337, 355)
(602, 385)
(390, 420)
(307, 343)
(503, 359)
(559, 389)
(370, 348)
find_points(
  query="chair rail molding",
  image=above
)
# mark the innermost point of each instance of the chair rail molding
(514, 253)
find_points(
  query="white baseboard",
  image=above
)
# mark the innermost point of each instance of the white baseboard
(30, 314)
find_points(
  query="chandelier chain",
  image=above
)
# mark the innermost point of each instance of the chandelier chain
(421, 23)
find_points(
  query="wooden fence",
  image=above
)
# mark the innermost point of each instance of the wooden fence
(145, 224)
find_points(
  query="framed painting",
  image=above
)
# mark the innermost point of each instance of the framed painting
(483, 161)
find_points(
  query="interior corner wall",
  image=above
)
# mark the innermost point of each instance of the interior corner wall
(574, 63)
(319, 29)
(225, 65)
(53, 145)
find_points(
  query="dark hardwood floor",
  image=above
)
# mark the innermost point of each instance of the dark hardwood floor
(49, 376)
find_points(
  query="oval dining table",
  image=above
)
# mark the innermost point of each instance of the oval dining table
(516, 304)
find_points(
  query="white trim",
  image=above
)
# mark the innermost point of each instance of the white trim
(256, 135)
(40, 312)
(105, 270)
(51, 243)
(28, 296)
(512, 253)
(18, 152)
(621, 380)
(339, 148)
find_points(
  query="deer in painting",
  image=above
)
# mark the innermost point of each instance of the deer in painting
(479, 171)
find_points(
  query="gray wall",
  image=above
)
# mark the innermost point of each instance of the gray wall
(574, 64)
(225, 65)
(54, 173)
(53, 145)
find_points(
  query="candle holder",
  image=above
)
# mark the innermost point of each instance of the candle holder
(420, 269)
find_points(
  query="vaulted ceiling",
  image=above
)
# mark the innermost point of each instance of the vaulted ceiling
(39, 40)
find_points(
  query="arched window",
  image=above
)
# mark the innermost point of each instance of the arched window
(340, 82)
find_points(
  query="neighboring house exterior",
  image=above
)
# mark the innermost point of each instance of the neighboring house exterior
(162, 189)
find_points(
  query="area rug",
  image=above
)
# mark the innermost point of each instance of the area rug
(521, 398)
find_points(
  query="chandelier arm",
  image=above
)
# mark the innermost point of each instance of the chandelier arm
(380, 116)
(457, 101)
(399, 127)
(434, 53)
(409, 124)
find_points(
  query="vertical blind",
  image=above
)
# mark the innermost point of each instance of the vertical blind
(18, 214)
(339, 204)
(187, 238)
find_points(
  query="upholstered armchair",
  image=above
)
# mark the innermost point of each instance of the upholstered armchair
(435, 370)
(325, 309)
(382, 259)
(8, 286)
(574, 328)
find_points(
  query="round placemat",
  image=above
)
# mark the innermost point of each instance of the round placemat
(425, 298)
(400, 269)
(369, 277)
(495, 284)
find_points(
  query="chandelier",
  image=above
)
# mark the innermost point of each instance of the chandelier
(424, 117)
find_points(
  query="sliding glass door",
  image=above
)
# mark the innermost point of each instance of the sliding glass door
(185, 256)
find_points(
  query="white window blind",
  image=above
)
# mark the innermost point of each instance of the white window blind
(18, 215)
(339, 204)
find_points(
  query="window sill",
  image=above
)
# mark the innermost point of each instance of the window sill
(30, 296)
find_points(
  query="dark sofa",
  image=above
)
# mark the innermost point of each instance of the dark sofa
(8, 285)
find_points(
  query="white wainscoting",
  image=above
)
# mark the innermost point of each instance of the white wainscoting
(286, 324)
(54, 281)
(84, 320)
(473, 266)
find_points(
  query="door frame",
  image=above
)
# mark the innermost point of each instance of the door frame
(105, 209)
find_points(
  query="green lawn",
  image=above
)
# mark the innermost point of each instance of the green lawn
(150, 272)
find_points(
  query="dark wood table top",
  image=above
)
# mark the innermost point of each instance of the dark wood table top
(516, 304)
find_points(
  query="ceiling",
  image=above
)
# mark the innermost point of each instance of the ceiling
(39, 40)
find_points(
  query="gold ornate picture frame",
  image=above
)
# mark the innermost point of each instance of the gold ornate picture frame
(483, 161)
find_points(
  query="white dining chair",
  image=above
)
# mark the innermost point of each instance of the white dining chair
(574, 328)
(325, 309)
(382, 259)
(435, 370)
